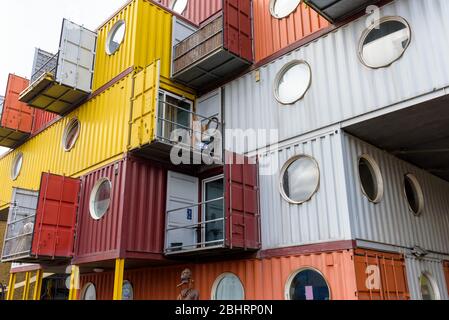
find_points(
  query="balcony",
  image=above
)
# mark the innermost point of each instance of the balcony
(338, 10)
(65, 79)
(220, 49)
(41, 224)
(214, 213)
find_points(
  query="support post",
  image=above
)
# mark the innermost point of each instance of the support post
(118, 279)
(26, 288)
(11, 287)
(38, 285)
(74, 283)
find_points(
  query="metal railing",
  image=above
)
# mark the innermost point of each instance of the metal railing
(199, 134)
(199, 229)
(47, 67)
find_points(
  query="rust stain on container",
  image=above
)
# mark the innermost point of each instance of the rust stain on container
(134, 223)
(262, 279)
(272, 35)
(198, 10)
(380, 276)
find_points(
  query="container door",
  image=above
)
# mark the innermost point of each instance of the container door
(237, 28)
(76, 57)
(57, 209)
(182, 228)
(242, 202)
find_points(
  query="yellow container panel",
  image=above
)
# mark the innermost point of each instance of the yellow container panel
(103, 139)
(148, 37)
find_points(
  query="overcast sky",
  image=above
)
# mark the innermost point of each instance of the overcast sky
(27, 24)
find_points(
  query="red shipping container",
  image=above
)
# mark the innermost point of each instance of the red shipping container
(198, 10)
(41, 120)
(17, 117)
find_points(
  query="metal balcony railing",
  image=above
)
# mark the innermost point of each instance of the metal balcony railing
(48, 67)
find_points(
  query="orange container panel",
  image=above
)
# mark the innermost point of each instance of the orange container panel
(380, 276)
(272, 35)
(262, 279)
(16, 115)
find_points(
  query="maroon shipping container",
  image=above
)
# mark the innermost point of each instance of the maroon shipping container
(132, 227)
(220, 49)
(41, 224)
(198, 10)
(41, 120)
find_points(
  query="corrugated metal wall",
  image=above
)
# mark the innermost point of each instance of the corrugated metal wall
(391, 221)
(342, 87)
(325, 216)
(41, 120)
(262, 279)
(272, 35)
(198, 10)
(135, 222)
(433, 268)
(103, 138)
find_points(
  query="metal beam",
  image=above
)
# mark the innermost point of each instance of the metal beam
(26, 288)
(11, 287)
(74, 283)
(38, 285)
(118, 279)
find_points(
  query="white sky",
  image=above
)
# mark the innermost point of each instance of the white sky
(27, 24)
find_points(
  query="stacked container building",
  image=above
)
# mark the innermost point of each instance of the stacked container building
(339, 196)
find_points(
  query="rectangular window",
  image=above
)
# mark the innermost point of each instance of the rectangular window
(213, 212)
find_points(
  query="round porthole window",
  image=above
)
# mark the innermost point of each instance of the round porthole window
(370, 179)
(307, 284)
(384, 42)
(292, 82)
(100, 199)
(179, 6)
(16, 167)
(414, 194)
(115, 37)
(128, 291)
(89, 292)
(300, 179)
(283, 8)
(228, 287)
(428, 287)
(71, 134)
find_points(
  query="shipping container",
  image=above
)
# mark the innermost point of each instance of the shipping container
(426, 278)
(132, 227)
(16, 117)
(337, 11)
(261, 279)
(220, 48)
(196, 11)
(60, 89)
(41, 224)
(380, 276)
(215, 212)
(324, 218)
(273, 35)
(102, 139)
(42, 119)
(391, 220)
(341, 86)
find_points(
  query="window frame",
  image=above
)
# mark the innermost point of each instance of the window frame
(92, 197)
(13, 174)
(418, 191)
(432, 282)
(172, 7)
(219, 279)
(67, 129)
(282, 72)
(111, 35)
(276, 16)
(203, 209)
(285, 167)
(132, 288)
(84, 290)
(377, 175)
(368, 30)
(289, 282)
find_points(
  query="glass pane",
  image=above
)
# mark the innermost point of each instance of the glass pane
(102, 198)
(368, 179)
(301, 179)
(179, 6)
(128, 292)
(427, 290)
(176, 117)
(214, 210)
(90, 293)
(294, 83)
(117, 37)
(309, 285)
(385, 44)
(283, 8)
(17, 166)
(229, 288)
(411, 194)
(72, 135)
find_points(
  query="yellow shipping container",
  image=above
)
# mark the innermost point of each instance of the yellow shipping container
(148, 37)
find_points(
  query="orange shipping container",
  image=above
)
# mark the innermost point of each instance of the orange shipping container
(272, 35)
(380, 276)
